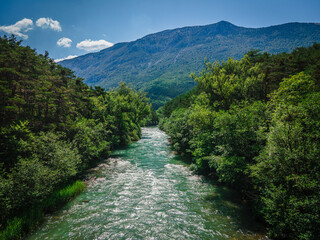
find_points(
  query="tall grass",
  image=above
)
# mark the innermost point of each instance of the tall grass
(19, 226)
(63, 195)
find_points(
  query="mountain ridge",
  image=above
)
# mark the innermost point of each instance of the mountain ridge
(160, 63)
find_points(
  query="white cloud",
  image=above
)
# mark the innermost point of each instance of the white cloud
(64, 42)
(90, 45)
(19, 28)
(66, 58)
(49, 23)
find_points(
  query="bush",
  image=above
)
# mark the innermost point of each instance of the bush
(288, 170)
(18, 226)
(91, 138)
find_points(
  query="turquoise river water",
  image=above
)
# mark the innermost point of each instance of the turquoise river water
(144, 191)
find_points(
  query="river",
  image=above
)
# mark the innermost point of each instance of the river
(144, 191)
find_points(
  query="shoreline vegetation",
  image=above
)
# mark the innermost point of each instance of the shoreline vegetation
(53, 128)
(30, 219)
(253, 124)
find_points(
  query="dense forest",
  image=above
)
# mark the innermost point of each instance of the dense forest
(53, 128)
(254, 124)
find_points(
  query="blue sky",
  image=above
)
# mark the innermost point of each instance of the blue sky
(82, 26)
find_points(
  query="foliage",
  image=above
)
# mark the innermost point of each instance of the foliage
(30, 218)
(230, 82)
(254, 125)
(53, 127)
(179, 128)
(92, 140)
(287, 171)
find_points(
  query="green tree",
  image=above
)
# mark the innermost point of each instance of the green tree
(287, 171)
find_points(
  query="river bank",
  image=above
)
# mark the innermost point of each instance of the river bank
(145, 192)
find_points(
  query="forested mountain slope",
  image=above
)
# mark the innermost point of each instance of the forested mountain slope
(161, 63)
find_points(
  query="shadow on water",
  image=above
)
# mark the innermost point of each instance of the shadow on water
(121, 151)
(229, 203)
(146, 138)
(117, 155)
(181, 160)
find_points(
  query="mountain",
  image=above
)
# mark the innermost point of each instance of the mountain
(161, 63)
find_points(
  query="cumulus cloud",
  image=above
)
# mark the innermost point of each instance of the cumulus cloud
(90, 45)
(49, 23)
(19, 28)
(64, 42)
(66, 58)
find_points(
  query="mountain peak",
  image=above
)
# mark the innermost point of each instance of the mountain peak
(160, 63)
(226, 23)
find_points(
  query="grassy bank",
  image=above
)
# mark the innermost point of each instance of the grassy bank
(17, 227)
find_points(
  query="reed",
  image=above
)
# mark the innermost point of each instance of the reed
(17, 227)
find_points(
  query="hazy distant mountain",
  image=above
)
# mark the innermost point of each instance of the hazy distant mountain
(161, 63)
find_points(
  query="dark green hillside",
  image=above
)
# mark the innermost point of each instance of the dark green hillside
(161, 63)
